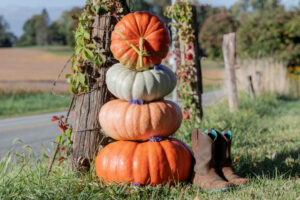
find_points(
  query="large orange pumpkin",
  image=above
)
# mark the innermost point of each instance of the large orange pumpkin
(144, 163)
(124, 121)
(140, 41)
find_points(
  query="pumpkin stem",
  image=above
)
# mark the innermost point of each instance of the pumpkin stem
(141, 53)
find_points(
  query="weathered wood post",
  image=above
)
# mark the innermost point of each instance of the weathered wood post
(250, 87)
(87, 136)
(228, 48)
(199, 86)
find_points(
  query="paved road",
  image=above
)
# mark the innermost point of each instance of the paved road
(38, 130)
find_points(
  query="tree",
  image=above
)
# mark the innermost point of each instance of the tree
(277, 34)
(56, 34)
(6, 38)
(41, 28)
(67, 24)
(212, 31)
(35, 30)
(29, 35)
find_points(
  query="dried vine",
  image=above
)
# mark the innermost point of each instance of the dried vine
(181, 13)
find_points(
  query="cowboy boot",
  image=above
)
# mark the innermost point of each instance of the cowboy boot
(224, 162)
(206, 176)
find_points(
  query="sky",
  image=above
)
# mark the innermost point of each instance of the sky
(16, 12)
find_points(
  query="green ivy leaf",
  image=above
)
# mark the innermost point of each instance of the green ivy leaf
(89, 54)
(81, 78)
(86, 35)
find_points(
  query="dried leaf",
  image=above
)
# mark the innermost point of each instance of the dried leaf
(54, 118)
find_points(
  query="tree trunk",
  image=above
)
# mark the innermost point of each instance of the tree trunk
(88, 138)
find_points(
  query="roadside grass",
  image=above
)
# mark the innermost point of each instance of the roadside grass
(266, 148)
(25, 103)
(55, 49)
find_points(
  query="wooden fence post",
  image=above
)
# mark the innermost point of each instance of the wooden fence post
(87, 136)
(199, 87)
(228, 48)
(250, 87)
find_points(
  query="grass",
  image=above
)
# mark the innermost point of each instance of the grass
(25, 103)
(211, 64)
(266, 148)
(55, 49)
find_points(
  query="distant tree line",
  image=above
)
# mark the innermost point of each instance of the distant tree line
(6, 38)
(264, 28)
(39, 31)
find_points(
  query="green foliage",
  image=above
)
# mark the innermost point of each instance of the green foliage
(6, 38)
(212, 31)
(35, 31)
(154, 6)
(39, 31)
(181, 13)
(275, 33)
(23, 103)
(67, 25)
(87, 56)
(265, 148)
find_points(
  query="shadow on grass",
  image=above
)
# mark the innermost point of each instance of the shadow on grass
(285, 164)
(287, 98)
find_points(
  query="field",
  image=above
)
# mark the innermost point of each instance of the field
(35, 69)
(27, 75)
(31, 70)
(266, 143)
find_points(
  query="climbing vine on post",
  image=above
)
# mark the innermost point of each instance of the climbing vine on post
(90, 62)
(86, 51)
(188, 84)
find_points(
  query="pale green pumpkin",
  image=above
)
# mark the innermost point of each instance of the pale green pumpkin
(146, 85)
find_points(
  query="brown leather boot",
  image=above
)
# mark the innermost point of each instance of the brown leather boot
(224, 162)
(206, 176)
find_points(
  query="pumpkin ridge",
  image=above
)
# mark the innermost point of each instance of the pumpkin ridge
(137, 26)
(115, 89)
(152, 154)
(152, 22)
(183, 154)
(160, 29)
(150, 116)
(132, 85)
(114, 168)
(152, 112)
(160, 105)
(135, 170)
(144, 82)
(126, 78)
(132, 27)
(114, 125)
(168, 82)
(155, 75)
(125, 121)
(165, 152)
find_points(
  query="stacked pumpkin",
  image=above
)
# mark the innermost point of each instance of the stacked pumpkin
(140, 119)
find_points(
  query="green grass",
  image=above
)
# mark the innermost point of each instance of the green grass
(209, 88)
(211, 64)
(55, 49)
(266, 137)
(25, 103)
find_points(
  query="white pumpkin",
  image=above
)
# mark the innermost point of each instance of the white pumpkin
(146, 85)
